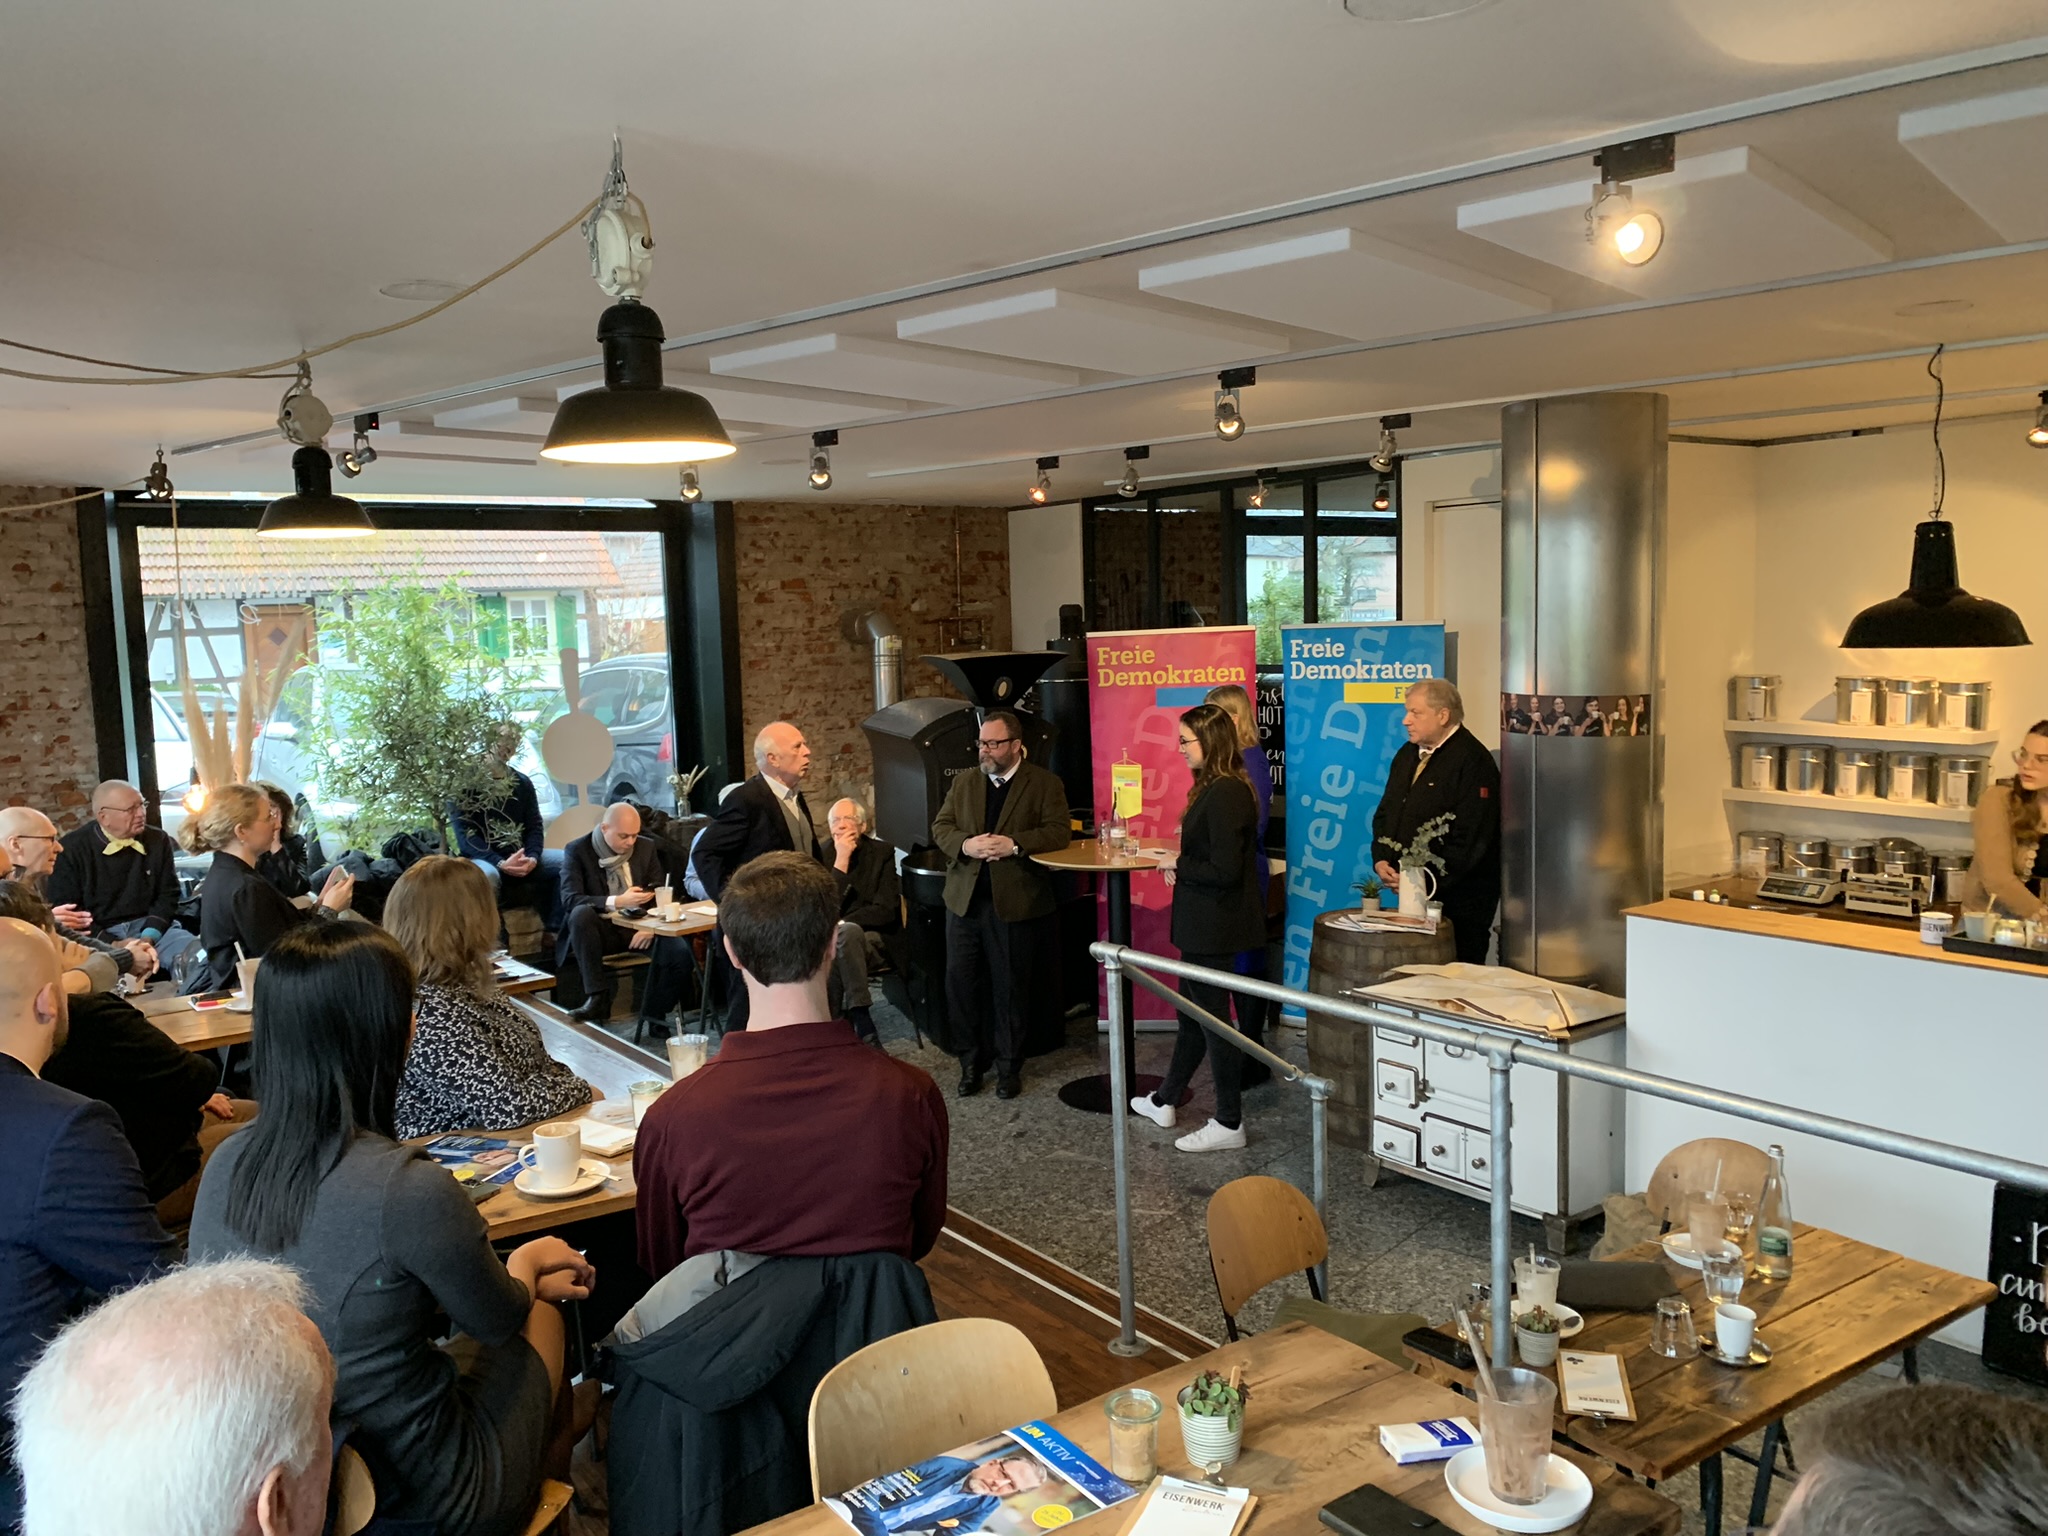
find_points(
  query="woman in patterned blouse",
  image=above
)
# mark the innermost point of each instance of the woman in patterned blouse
(477, 1061)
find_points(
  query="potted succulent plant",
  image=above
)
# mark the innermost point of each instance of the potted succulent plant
(1212, 1417)
(1536, 1336)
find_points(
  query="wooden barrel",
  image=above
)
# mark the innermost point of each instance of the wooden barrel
(1339, 959)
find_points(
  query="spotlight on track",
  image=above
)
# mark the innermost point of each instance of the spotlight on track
(1389, 453)
(1129, 486)
(1383, 495)
(687, 487)
(1257, 499)
(2037, 434)
(1634, 234)
(821, 459)
(1229, 407)
(353, 460)
(1041, 488)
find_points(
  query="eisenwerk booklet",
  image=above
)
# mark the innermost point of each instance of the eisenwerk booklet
(1023, 1482)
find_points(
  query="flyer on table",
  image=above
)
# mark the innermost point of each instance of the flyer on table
(1026, 1480)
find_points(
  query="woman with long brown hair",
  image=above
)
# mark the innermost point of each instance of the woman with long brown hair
(477, 1060)
(2011, 853)
(1218, 914)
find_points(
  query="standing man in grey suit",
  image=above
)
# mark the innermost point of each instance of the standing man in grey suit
(1001, 915)
(766, 814)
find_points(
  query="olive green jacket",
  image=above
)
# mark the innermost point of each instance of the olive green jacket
(1034, 817)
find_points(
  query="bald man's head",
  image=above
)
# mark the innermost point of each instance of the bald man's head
(621, 826)
(30, 839)
(781, 753)
(32, 1016)
(119, 808)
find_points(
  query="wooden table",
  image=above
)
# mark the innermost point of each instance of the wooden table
(1094, 1092)
(1847, 1306)
(515, 978)
(196, 1029)
(698, 917)
(1312, 1435)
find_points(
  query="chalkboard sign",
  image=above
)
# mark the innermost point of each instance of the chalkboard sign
(2016, 1323)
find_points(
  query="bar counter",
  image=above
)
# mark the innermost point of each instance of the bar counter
(1846, 1017)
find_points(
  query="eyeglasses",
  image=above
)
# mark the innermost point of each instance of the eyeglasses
(1189, 741)
(994, 741)
(2028, 759)
(37, 837)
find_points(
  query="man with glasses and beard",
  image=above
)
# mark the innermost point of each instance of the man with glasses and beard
(1000, 911)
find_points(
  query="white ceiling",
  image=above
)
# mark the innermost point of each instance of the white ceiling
(212, 186)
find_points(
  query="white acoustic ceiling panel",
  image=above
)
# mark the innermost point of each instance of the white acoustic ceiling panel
(1050, 325)
(532, 418)
(738, 400)
(1345, 283)
(1731, 219)
(869, 367)
(1992, 153)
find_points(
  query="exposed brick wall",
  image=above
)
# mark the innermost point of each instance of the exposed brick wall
(47, 756)
(807, 570)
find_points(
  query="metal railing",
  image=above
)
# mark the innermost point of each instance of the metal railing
(1502, 1053)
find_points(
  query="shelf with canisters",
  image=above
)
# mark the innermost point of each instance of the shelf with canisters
(1898, 735)
(1842, 805)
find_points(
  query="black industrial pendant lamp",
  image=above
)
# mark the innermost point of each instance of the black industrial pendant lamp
(312, 511)
(1934, 612)
(633, 418)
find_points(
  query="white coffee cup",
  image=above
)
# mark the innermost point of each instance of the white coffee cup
(245, 976)
(556, 1154)
(1734, 1330)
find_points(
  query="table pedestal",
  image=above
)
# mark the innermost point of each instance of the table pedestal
(1094, 1093)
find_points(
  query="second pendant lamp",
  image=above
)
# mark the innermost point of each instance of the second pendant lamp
(1934, 612)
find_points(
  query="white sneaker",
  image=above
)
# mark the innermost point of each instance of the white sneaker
(1161, 1115)
(1213, 1137)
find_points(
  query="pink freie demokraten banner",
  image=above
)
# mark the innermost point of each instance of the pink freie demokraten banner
(1139, 683)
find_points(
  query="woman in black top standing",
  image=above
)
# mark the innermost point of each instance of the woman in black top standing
(237, 906)
(1218, 914)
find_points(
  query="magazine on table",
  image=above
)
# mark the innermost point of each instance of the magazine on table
(1025, 1480)
(481, 1164)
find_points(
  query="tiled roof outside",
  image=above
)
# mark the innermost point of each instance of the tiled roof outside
(234, 563)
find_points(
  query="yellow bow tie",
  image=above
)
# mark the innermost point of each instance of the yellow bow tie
(116, 844)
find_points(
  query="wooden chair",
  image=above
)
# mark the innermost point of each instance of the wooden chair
(355, 1498)
(1691, 1167)
(1263, 1229)
(918, 1393)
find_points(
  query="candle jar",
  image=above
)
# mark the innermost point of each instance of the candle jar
(1133, 1435)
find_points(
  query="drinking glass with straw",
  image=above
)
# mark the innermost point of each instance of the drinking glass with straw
(1516, 1407)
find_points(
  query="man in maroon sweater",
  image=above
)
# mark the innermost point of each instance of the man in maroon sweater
(796, 1139)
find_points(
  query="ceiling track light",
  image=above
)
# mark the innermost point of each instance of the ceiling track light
(1128, 486)
(2037, 434)
(1389, 453)
(822, 444)
(1934, 611)
(1257, 499)
(1383, 494)
(687, 486)
(1229, 408)
(633, 418)
(359, 455)
(1041, 488)
(1635, 235)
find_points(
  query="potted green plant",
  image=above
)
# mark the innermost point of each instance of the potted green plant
(1369, 890)
(1212, 1417)
(1536, 1336)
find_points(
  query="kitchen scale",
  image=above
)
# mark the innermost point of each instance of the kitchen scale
(1886, 895)
(1809, 890)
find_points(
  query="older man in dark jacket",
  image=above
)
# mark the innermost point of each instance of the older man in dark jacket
(612, 871)
(1445, 769)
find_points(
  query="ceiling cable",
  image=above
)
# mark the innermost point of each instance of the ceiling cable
(263, 370)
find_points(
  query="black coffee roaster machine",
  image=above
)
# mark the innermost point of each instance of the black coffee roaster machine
(919, 745)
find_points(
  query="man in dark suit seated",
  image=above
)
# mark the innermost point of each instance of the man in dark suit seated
(1002, 926)
(870, 908)
(503, 837)
(766, 814)
(612, 871)
(74, 1220)
(1445, 768)
(120, 874)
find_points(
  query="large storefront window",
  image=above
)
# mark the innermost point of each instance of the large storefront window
(264, 623)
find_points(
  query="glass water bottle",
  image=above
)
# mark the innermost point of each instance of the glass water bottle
(1774, 1223)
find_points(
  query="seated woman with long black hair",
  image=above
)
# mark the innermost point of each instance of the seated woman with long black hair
(460, 1435)
(241, 914)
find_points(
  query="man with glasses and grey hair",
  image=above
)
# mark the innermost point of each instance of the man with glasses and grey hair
(117, 876)
(1935, 1460)
(195, 1405)
(31, 842)
(870, 907)
(1001, 915)
(1445, 770)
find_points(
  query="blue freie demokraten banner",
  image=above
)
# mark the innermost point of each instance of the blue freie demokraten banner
(1345, 687)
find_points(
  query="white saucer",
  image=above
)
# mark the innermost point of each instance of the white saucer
(1570, 1496)
(1569, 1323)
(1678, 1249)
(593, 1175)
(239, 1004)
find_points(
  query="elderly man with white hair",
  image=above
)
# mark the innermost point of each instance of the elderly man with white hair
(195, 1405)
(766, 814)
(1445, 770)
(117, 876)
(31, 842)
(870, 907)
